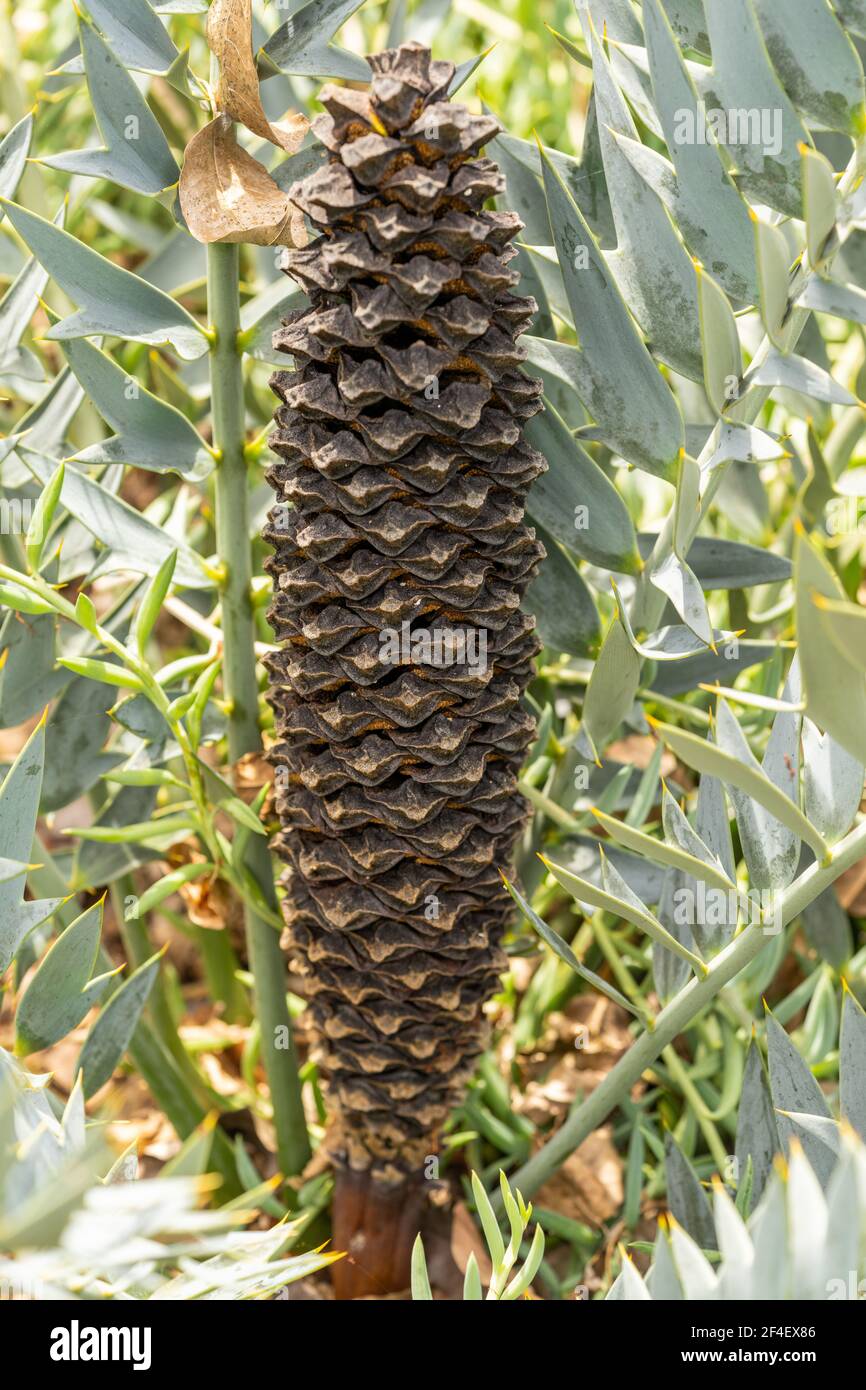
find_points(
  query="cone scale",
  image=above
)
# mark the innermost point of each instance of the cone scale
(400, 560)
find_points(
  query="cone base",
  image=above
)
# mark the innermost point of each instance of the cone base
(376, 1224)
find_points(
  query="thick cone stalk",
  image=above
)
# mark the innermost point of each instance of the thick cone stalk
(399, 569)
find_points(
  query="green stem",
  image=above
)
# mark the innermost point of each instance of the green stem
(241, 691)
(679, 1014)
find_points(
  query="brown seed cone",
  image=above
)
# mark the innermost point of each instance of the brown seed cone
(401, 485)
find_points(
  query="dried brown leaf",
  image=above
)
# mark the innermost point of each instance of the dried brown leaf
(587, 1040)
(588, 1186)
(638, 750)
(251, 773)
(208, 903)
(466, 1240)
(229, 36)
(227, 196)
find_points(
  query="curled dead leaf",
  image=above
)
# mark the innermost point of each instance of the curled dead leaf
(208, 902)
(229, 37)
(227, 196)
(251, 773)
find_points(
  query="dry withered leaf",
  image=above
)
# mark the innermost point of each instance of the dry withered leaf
(61, 1059)
(227, 196)
(251, 773)
(638, 750)
(208, 903)
(586, 1041)
(588, 1186)
(220, 1076)
(466, 1240)
(229, 37)
(138, 1119)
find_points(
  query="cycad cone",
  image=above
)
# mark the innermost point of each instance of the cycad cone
(398, 574)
